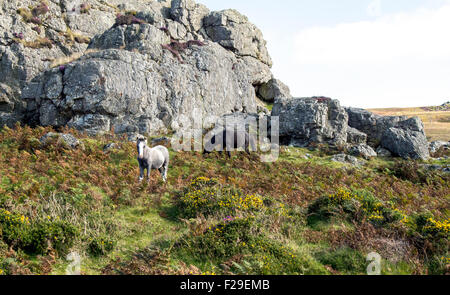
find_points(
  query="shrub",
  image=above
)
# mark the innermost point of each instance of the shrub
(204, 197)
(354, 206)
(413, 172)
(101, 245)
(60, 235)
(127, 19)
(345, 260)
(38, 236)
(241, 246)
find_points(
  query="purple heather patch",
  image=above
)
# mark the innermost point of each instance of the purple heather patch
(18, 35)
(36, 20)
(175, 47)
(127, 19)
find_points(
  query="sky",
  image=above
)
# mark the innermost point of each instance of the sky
(366, 53)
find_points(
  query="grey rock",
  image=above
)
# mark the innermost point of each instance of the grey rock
(402, 136)
(145, 95)
(20, 62)
(273, 89)
(363, 150)
(407, 140)
(382, 152)
(233, 31)
(68, 140)
(189, 13)
(371, 124)
(433, 146)
(435, 167)
(311, 120)
(354, 136)
(343, 158)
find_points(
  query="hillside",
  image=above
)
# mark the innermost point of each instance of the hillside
(436, 120)
(303, 214)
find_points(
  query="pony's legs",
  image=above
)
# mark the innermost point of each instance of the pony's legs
(148, 173)
(163, 170)
(141, 174)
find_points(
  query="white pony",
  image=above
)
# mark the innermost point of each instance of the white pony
(152, 158)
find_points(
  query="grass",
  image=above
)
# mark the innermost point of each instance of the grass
(217, 215)
(436, 122)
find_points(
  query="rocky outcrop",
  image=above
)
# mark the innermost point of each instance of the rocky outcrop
(407, 140)
(141, 75)
(371, 124)
(273, 89)
(143, 67)
(311, 120)
(401, 136)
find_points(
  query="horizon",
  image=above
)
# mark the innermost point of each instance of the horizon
(339, 50)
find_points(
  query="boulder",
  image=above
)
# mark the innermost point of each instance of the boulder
(67, 140)
(407, 140)
(371, 124)
(436, 145)
(363, 150)
(354, 136)
(311, 120)
(343, 158)
(273, 89)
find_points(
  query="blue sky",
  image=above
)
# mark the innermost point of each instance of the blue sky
(366, 53)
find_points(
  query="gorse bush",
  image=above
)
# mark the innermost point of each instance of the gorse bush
(36, 236)
(353, 206)
(228, 242)
(101, 245)
(204, 196)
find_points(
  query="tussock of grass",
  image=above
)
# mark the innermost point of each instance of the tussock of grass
(38, 43)
(68, 59)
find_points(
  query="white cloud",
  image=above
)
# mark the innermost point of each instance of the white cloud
(401, 59)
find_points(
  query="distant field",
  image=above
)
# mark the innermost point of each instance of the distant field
(437, 123)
